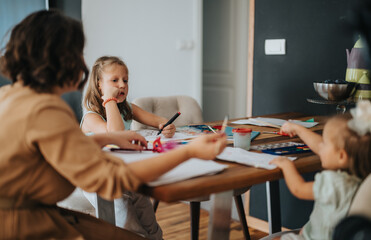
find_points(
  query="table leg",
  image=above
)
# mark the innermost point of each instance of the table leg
(105, 210)
(274, 206)
(220, 215)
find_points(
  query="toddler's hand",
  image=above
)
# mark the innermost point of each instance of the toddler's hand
(281, 162)
(168, 131)
(110, 92)
(207, 146)
(289, 128)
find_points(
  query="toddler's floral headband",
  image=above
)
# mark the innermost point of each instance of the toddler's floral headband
(361, 122)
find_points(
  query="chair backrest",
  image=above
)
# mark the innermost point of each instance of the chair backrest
(167, 106)
(357, 225)
(361, 204)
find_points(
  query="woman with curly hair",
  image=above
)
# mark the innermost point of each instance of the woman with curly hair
(44, 153)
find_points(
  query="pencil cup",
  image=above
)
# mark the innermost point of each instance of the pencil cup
(241, 137)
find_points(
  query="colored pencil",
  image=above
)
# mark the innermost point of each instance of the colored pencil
(211, 129)
(224, 124)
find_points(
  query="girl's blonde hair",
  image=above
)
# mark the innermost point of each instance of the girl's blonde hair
(93, 97)
(358, 148)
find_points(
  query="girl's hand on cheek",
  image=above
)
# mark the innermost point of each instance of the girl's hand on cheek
(169, 130)
(110, 92)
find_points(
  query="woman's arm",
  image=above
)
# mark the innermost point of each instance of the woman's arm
(152, 120)
(124, 139)
(295, 182)
(79, 159)
(204, 147)
(313, 140)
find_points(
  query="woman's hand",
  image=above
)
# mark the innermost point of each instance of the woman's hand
(207, 146)
(123, 139)
(129, 140)
(281, 162)
(110, 92)
(289, 129)
(168, 131)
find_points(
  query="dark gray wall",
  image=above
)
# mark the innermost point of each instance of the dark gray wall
(14, 11)
(316, 37)
(71, 8)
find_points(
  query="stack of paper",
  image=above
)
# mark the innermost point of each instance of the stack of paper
(239, 155)
(188, 169)
(260, 122)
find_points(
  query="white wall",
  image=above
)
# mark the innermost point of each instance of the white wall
(147, 36)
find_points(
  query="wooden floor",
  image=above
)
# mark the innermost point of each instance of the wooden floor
(175, 223)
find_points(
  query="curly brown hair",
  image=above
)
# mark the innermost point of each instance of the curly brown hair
(93, 97)
(45, 51)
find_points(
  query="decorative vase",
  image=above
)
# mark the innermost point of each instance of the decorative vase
(358, 71)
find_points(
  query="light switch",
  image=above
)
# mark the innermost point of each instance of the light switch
(275, 46)
(184, 45)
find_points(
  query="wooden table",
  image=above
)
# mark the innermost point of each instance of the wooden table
(220, 186)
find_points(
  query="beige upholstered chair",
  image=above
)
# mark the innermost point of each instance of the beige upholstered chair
(357, 225)
(361, 201)
(190, 114)
(167, 106)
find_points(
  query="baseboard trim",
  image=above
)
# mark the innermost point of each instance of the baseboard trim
(260, 225)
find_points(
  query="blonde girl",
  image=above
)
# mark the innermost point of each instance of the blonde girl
(107, 104)
(345, 153)
(109, 111)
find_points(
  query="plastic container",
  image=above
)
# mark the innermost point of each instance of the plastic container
(242, 138)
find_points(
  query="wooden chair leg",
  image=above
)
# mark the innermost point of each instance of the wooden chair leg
(241, 213)
(195, 219)
(155, 204)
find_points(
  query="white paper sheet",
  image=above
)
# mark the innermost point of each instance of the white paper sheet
(189, 169)
(239, 155)
(276, 121)
(151, 135)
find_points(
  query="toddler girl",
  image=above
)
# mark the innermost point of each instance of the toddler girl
(109, 111)
(106, 101)
(345, 153)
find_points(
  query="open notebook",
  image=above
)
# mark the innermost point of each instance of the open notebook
(188, 169)
(239, 155)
